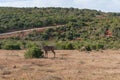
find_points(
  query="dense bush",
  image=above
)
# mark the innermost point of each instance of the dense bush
(88, 45)
(10, 46)
(33, 52)
(69, 46)
(88, 48)
(65, 45)
(0, 45)
(30, 44)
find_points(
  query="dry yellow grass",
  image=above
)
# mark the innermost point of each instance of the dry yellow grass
(68, 65)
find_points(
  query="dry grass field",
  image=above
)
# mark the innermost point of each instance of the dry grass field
(68, 65)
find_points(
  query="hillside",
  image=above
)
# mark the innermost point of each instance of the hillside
(83, 21)
(24, 33)
(12, 19)
(80, 27)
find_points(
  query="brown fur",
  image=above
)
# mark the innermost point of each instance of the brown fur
(49, 48)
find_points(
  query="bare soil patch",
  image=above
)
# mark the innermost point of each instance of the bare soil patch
(68, 65)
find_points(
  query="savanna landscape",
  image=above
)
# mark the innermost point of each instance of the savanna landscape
(86, 43)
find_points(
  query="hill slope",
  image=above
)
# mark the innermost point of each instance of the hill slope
(78, 23)
(23, 18)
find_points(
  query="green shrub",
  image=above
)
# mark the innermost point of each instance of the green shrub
(11, 46)
(94, 47)
(77, 45)
(33, 52)
(0, 45)
(88, 48)
(69, 46)
(97, 46)
(30, 44)
(100, 46)
(22, 44)
(61, 45)
(65, 45)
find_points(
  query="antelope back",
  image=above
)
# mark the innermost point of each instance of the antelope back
(48, 48)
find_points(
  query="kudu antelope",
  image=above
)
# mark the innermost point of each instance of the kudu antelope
(48, 48)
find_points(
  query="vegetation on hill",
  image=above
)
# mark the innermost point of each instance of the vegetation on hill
(82, 27)
(24, 18)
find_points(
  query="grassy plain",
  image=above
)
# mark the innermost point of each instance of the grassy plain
(68, 65)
